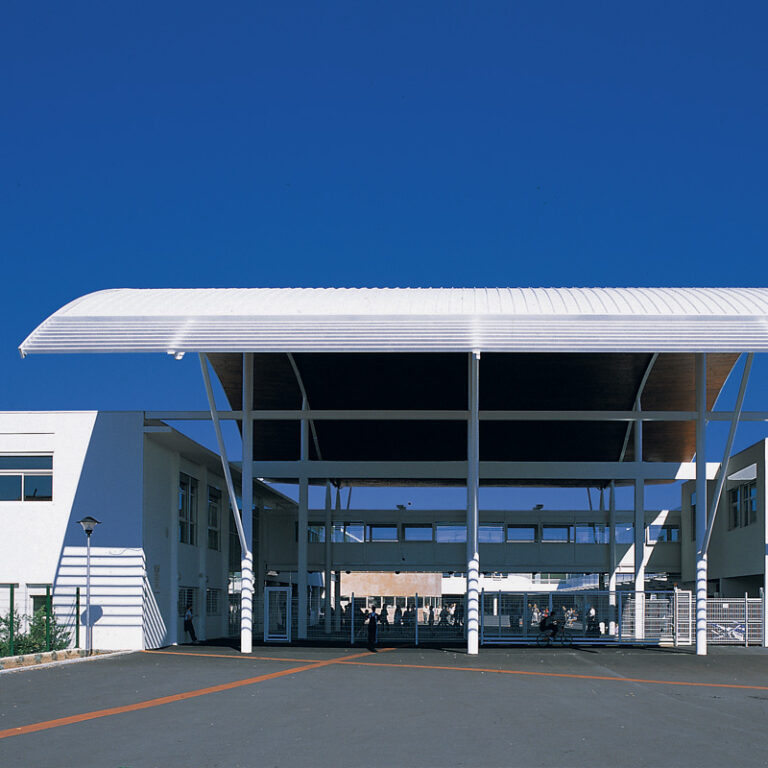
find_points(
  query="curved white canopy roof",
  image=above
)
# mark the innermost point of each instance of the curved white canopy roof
(408, 320)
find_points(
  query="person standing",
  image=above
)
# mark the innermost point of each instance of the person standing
(372, 621)
(189, 627)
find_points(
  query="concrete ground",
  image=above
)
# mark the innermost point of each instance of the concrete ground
(196, 706)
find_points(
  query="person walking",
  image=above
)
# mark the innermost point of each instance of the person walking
(372, 621)
(189, 627)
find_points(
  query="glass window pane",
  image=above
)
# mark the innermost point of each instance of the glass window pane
(353, 533)
(26, 462)
(521, 533)
(10, 487)
(585, 533)
(337, 536)
(559, 533)
(38, 487)
(491, 534)
(382, 533)
(448, 533)
(316, 533)
(625, 533)
(413, 532)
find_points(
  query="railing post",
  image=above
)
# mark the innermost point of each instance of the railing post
(482, 616)
(618, 616)
(746, 619)
(12, 645)
(77, 617)
(416, 614)
(674, 618)
(48, 617)
(352, 621)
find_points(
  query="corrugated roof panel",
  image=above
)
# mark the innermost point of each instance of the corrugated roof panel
(415, 319)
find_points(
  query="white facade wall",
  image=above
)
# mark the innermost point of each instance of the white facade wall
(106, 465)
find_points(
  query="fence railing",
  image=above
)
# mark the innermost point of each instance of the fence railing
(508, 618)
(33, 623)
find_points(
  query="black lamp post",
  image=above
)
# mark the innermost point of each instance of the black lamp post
(88, 523)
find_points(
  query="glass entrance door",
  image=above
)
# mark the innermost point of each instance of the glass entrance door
(277, 614)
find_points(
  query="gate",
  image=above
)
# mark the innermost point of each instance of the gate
(654, 618)
(277, 614)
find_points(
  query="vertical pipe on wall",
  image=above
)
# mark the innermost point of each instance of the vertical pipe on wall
(701, 504)
(246, 565)
(473, 482)
(302, 533)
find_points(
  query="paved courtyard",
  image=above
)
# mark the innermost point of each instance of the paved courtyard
(196, 706)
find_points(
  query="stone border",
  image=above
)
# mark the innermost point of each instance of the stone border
(9, 663)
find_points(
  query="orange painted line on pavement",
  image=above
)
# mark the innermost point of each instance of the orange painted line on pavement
(83, 717)
(559, 674)
(241, 657)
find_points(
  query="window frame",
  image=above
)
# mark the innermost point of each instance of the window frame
(188, 509)
(12, 465)
(214, 531)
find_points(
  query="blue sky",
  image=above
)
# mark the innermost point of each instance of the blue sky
(367, 144)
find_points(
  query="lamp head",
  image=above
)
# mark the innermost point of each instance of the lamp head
(89, 523)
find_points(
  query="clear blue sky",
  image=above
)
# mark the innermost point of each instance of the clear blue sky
(367, 144)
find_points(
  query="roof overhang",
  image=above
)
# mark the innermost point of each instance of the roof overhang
(408, 320)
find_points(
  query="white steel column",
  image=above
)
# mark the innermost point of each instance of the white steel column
(173, 563)
(473, 480)
(701, 504)
(328, 559)
(337, 584)
(302, 533)
(613, 560)
(245, 542)
(639, 537)
(246, 564)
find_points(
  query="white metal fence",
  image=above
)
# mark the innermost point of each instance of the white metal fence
(509, 618)
(734, 621)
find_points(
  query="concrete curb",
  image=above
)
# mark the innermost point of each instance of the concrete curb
(50, 658)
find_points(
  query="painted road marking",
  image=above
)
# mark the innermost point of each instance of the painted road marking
(149, 703)
(558, 674)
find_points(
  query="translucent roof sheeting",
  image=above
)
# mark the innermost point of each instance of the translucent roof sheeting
(408, 320)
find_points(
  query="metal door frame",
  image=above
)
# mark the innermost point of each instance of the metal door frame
(284, 637)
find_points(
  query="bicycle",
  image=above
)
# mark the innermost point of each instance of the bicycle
(563, 637)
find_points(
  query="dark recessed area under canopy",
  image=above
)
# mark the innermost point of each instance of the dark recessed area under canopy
(439, 381)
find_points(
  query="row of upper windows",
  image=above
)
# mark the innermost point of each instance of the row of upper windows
(26, 478)
(490, 533)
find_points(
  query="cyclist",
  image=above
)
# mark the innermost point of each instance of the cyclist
(549, 624)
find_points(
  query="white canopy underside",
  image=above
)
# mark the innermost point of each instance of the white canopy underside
(408, 320)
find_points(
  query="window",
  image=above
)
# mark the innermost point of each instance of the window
(742, 505)
(521, 534)
(491, 534)
(449, 533)
(234, 554)
(663, 533)
(348, 533)
(417, 532)
(212, 601)
(592, 533)
(693, 516)
(316, 533)
(187, 509)
(381, 533)
(749, 502)
(187, 596)
(26, 478)
(625, 533)
(214, 517)
(734, 508)
(557, 533)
